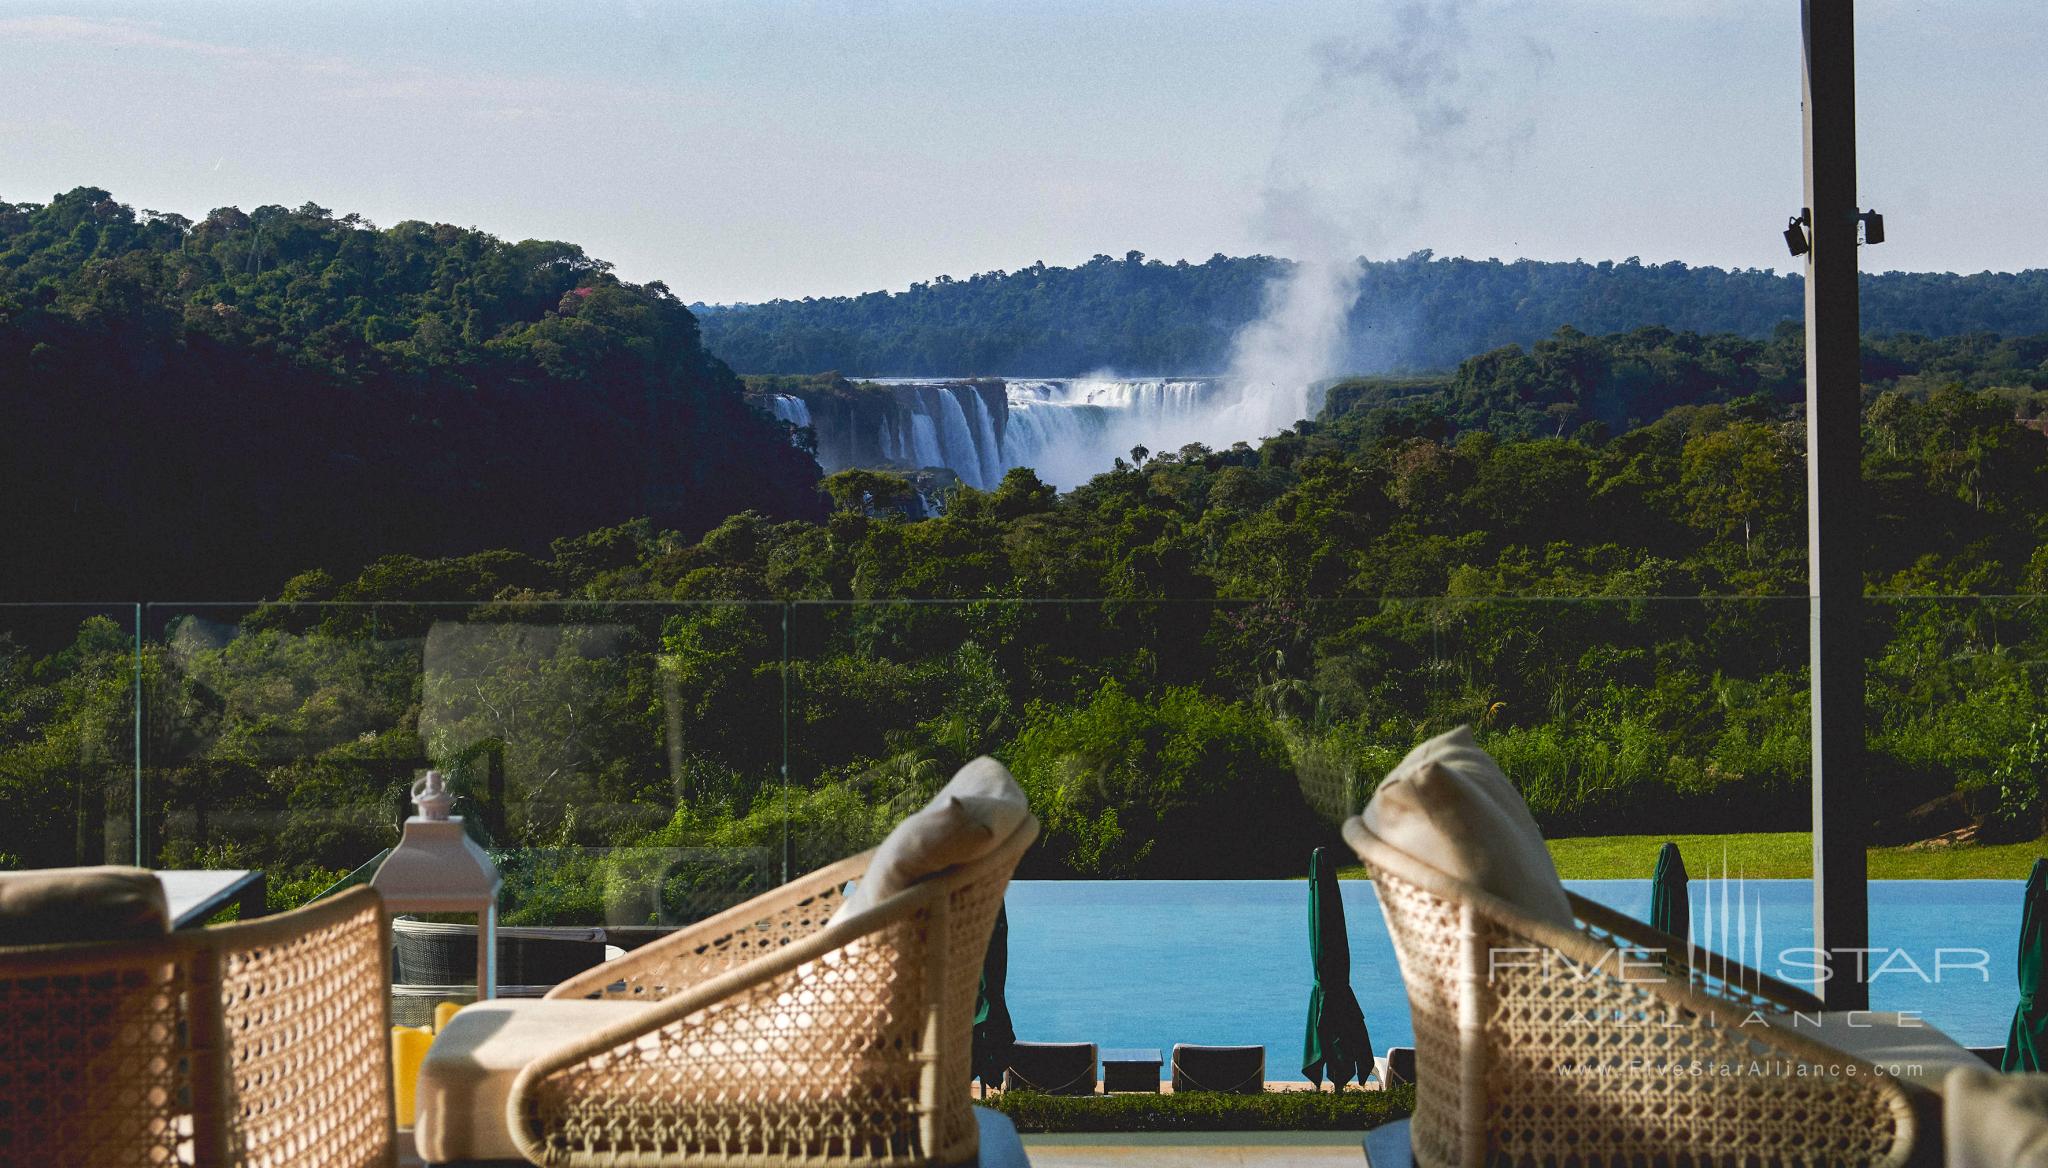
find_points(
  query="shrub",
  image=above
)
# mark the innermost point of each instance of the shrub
(2018, 779)
(1204, 1111)
(1184, 785)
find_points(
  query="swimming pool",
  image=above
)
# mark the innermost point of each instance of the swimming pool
(1155, 962)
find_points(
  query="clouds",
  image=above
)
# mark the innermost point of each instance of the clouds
(1419, 63)
(265, 80)
(111, 33)
(742, 150)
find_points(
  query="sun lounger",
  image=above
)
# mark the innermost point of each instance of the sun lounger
(1398, 1067)
(1234, 1070)
(1056, 1068)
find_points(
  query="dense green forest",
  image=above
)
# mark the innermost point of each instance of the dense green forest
(664, 680)
(654, 723)
(1144, 317)
(194, 408)
(1572, 384)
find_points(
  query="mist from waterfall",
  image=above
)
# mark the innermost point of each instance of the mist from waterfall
(1395, 120)
(1071, 430)
(1412, 112)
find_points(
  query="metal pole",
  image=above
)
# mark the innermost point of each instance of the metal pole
(1841, 916)
(487, 953)
(135, 711)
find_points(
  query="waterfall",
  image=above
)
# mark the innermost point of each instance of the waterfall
(963, 455)
(985, 442)
(790, 408)
(1064, 442)
(1067, 430)
(924, 442)
(1070, 430)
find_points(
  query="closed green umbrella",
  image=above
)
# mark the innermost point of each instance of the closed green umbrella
(1670, 911)
(1337, 1043)
(2028, 1039)
(993, 1034)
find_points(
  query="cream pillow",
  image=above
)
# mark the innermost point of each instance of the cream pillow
(964, 821)
(48, 906)
(1903, 1046)
(1448, 805)
(1991, 1120)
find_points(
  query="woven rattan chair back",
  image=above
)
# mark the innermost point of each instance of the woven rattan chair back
(260, 1043)
(779, 1038)
(1607, 1045)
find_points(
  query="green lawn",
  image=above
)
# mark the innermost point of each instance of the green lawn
(1778, 854)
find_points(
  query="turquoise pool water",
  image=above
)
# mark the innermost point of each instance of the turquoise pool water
(1155, 962)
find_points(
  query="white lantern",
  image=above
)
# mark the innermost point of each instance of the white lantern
(436, 867)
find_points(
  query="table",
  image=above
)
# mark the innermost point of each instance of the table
(1130, 1068)
(1387, 1146)
(196, 894)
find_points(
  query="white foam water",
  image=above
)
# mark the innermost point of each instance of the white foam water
(1067, 430)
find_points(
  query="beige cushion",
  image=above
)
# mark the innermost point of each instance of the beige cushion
(964, 821)
(1910, 1050)
(466, 1080)
(1448, 805)
(1991, 1120)
(48, 906)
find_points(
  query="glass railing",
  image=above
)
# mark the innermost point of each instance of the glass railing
(1956, 725)
(638, 766)
(70, 686)
(602, 752)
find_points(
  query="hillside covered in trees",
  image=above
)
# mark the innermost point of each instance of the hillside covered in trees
(190, 408)
(667, 664)
(1143, 317)
(1601, 387)
(1195, 663)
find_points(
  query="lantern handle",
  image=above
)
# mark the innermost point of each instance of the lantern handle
(431, 796)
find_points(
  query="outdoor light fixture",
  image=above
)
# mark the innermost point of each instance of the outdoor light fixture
(1798, 242)
(436, 867)
(1795, 234)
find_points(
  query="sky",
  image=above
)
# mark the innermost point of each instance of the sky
(747, 151)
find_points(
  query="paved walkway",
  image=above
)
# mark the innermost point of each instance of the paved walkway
(1180, 1150)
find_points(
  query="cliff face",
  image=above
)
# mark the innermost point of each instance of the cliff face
(954, 424)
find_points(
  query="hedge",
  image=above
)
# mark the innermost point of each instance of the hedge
(1200, 1111)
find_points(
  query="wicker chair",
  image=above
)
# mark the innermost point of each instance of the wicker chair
(775, 1037)
(263, 1042)
(1535, 1045)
